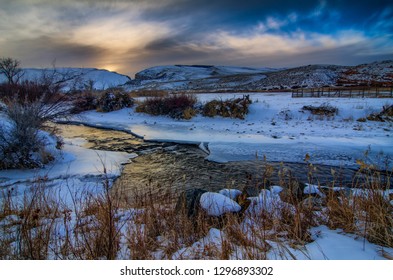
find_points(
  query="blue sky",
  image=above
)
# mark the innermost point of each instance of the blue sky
(130, 35)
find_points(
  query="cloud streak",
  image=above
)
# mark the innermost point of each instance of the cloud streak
(129, 35)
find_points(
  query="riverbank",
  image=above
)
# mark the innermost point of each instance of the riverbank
(276, 127)
(90, 212)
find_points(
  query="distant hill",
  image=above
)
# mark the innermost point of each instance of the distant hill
(227, 78)
(211, 78)
(76, 78)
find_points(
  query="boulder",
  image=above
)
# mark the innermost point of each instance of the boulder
(231, 193)
(188, 201)
(216, 204)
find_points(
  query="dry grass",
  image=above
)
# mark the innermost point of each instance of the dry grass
(149, 93)
(324, 109)
(178, 106)
(232, 108)
(103, 225)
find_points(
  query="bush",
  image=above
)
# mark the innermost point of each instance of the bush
(385, 115)
(113, 100)
(324, 109)
(149, 93)
(232, 108)
(28, 106)
(19, 142)
(84, 101)
(179, 106)
(31, 92)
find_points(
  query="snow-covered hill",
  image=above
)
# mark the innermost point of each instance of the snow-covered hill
(224, 78)
(193, 72)
(207, 78)
(376, 73)
(75, 78)
(197, 77)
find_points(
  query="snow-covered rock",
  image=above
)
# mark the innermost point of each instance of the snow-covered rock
(216, 204)
(313, 189)
(231, 193)
(275, 190)
(199, 250)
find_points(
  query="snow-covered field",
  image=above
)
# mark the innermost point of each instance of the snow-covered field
(276, 127)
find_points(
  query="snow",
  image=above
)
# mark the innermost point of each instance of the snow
(212, 241)
(336, 245)
(175, 73)
(313, 189)
(230, 193)
(77, 78)
(327, 245)
(266, 202)
(75, 168)
(216, 204)
(196, 77)
(296, 133)
(275, 190)
(276, 127)
(73, 161)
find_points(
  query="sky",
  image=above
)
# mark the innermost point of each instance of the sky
(128, 36)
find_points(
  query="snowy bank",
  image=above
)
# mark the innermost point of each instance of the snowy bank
(276, 127)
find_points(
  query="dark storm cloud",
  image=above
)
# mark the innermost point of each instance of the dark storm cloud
(44, 50)
(345, 55)
(194, 20)
(235, 13)
(134, 34)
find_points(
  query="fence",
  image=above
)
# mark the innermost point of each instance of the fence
(343, 92)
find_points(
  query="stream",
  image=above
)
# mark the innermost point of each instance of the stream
(170, 167)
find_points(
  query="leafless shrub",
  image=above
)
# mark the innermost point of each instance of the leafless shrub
(10, 68)
(28, 106)
(233, 108)
(112, 100)
(149, 93)
(324, 109)
(179, 106)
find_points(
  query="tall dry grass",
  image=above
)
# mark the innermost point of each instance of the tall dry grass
(40, 224)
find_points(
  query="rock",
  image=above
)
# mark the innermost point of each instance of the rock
(275, 190)
(231, 193)
(313, 189)
(188, 201)
(216, 204)
(313, 203)
(250, 190)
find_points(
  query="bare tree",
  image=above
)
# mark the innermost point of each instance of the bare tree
(10, 68)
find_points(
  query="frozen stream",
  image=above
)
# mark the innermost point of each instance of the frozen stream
(173, 167)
